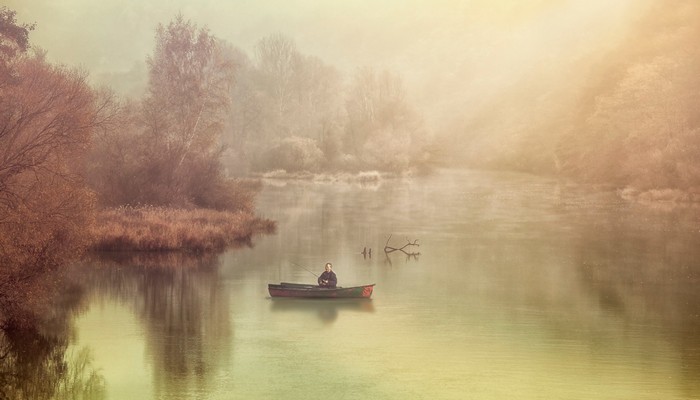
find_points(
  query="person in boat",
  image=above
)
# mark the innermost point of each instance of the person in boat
(328, 278)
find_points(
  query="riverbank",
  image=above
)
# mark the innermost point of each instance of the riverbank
(662, 198)
(168, 229)
(359, 177)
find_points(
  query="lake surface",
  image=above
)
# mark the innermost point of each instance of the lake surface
(524, 288)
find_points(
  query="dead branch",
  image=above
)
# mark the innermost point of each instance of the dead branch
(366, 253)
(388, 249)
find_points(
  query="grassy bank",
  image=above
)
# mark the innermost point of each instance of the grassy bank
(168, 229)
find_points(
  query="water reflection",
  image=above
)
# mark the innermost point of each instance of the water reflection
(648, 278)
(34, 359)
(326, 310)
(537, 274)
(34, 365)
(525, 288)
(183, 308)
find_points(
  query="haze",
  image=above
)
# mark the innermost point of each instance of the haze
(453, 55)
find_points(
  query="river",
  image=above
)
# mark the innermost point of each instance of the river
(521, 288)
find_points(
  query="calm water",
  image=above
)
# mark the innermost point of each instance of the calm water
(524, 288)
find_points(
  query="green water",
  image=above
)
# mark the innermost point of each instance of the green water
(524, 288)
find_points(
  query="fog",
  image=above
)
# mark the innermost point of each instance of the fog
(538, 86)
(453, 55)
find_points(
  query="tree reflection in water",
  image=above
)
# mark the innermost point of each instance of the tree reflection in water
(183, 307)
(34, 362)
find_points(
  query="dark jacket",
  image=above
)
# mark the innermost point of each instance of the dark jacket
(328, 276)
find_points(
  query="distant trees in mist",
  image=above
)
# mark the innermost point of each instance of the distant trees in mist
(166, 148)
(643, 128)
(211, 112)
(294, 112)
(629, 118)
(382, 127)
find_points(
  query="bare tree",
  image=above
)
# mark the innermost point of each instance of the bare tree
(383, 130)
(278, 62)
(298, 102)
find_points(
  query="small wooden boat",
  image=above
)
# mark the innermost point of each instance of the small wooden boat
(312, 291)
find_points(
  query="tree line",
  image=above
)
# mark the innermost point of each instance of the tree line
(68, 149)
(625, 116)
(295, 112)
(225, 114)
(209, 113)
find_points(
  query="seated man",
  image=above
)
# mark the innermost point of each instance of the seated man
(328, 278)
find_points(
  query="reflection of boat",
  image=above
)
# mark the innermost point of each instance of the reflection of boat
(323, 308)
(304, 290)
(326, 309)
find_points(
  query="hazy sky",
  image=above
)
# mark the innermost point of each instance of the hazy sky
(450, 52)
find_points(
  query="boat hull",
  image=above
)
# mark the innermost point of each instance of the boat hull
(316, 292)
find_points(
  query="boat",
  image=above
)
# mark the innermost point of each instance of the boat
(285, 289)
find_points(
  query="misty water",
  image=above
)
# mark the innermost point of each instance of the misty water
(525, 287)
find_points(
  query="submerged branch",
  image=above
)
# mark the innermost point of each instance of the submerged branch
(388, 249)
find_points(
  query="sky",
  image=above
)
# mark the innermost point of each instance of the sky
(451, 53)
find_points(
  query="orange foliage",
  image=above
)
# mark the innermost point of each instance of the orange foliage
(46, 118)
(166, 229)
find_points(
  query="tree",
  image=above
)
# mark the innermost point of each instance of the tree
(284, 95)
(184, 112)
(278, 62)
(245, 118)
(116, 172)
(14, 40)
(383, 130)
(641, 128)
(47, 116)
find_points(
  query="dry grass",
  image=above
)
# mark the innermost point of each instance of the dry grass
(168, 229)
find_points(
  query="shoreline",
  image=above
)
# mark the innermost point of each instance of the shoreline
(161, 229)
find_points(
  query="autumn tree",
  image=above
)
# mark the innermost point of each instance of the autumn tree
(47, 116)
(170, 147)
(116, 173)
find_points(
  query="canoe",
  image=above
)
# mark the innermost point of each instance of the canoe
(285, 289)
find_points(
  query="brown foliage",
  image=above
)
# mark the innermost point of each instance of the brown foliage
(46, 119)
(168, 229)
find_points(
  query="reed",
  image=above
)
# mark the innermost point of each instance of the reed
(149, 228)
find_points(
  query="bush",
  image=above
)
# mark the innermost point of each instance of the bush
(293, 154)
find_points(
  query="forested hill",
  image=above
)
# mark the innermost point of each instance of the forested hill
(628, 115)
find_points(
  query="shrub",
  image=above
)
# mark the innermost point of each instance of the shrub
(293, 154)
